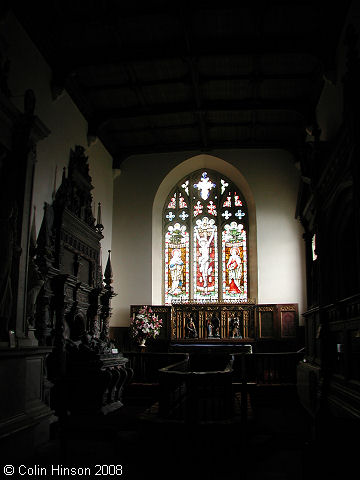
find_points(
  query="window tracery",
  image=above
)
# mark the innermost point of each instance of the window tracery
(205, 240)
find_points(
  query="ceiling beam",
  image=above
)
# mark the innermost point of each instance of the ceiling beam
(295, 125)
(78, 58)
(203, 80)
(113, 11)
(195, 79)
(300, 106)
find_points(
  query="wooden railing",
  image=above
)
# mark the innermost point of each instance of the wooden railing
(202, 388)
(266, 368)
(259, 368)
(146, 365)
(195, 396)
(263, 369)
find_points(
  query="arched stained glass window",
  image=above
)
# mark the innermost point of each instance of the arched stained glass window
(205, 240)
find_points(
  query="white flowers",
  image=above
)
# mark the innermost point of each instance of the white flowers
(145, 324)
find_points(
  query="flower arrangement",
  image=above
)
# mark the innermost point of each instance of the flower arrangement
(145, 324)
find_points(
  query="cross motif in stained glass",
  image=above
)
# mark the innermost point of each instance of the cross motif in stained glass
(212, 208)
(170, 216)
(204, 186)
(226, 214)
(198, 208)
(239, 214)
(183, 216)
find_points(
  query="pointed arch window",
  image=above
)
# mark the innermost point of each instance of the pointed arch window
(205, 231)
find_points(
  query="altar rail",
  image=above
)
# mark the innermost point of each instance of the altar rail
(257, 368)
(196, 396)
(267, 368)
(200, 388)
(146, 365)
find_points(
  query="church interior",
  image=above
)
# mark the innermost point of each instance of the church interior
(180, 239)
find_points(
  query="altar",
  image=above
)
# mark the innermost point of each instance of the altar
(189, 323)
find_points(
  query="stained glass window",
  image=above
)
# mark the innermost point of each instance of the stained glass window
(205, 265)
(176, 263)
(234, 262)
(313, 247)
(205, 240)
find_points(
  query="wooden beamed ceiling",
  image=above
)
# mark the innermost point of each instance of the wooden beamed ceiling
(199, 77)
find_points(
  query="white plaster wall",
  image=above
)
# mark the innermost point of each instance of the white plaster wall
(28, 70)
(272, 180)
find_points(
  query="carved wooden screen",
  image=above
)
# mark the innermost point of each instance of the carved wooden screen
(266, 315)
(205, 240)
(197, 322)
(288, 320)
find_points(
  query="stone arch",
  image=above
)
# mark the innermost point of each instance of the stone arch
(173, 177)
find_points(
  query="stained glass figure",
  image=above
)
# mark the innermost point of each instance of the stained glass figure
(205, 259)
(176, 263)
(234, 262)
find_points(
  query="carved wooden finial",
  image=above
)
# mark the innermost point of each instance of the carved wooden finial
(99, 226)
(108, 273)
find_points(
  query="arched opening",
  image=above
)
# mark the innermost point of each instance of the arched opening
(205, 231)
(172, 179)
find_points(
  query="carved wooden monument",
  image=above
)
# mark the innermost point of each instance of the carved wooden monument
(73, 305)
